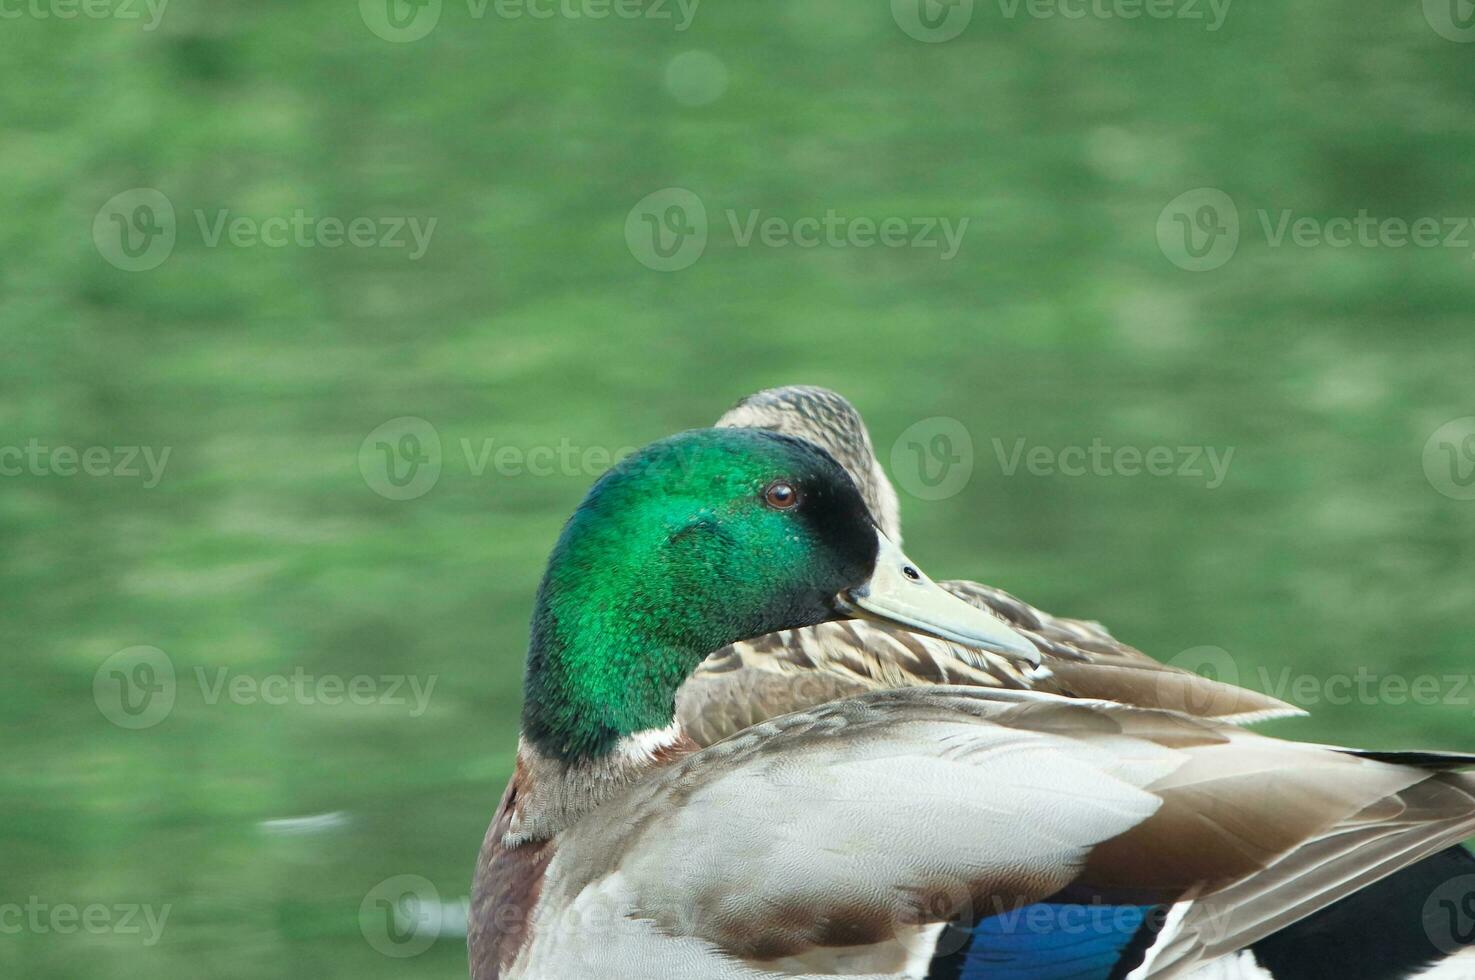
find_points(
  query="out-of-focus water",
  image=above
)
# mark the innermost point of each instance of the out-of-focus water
(334, 628)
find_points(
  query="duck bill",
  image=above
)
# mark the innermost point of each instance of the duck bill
(900, 593)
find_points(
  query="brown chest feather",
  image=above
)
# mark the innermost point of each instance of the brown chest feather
(504, 891)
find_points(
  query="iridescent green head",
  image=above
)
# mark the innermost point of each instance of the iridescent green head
(697, 541)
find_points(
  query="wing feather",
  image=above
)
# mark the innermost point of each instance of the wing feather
(854, 825)
(749, 682)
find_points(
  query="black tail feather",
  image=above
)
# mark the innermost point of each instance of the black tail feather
(1390, 930)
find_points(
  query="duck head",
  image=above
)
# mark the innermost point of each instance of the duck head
(828, 420)
(704, 539)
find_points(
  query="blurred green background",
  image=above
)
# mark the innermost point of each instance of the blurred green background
(531, 321)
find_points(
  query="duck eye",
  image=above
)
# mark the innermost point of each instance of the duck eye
(780, 495)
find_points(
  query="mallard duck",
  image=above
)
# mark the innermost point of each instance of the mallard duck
(841, 839)
(786, 671)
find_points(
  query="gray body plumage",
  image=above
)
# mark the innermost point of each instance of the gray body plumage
(835, 838)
